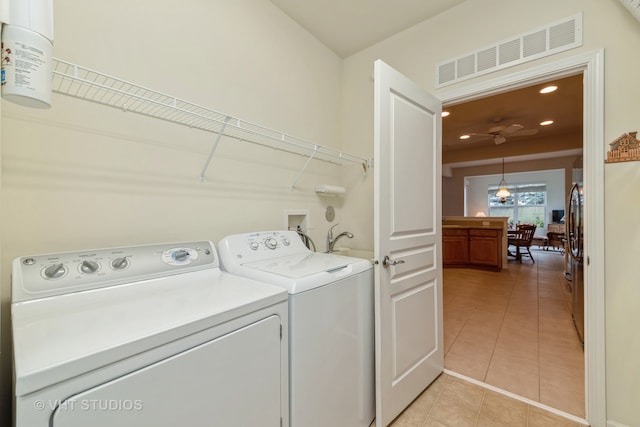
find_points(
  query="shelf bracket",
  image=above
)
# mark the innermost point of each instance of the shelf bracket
(213, 148)
(295, 181)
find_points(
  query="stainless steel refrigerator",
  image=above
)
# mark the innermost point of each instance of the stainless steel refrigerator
(576, 254)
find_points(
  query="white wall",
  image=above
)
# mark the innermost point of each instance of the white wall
(82, 176)
(475, 24)
(453, 186)
(554, 180)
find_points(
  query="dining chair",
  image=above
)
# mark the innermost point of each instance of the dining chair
(522, 238)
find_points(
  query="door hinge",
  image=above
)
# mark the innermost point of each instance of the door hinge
(374, 261)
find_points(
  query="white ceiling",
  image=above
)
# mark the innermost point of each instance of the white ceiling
(347, 26)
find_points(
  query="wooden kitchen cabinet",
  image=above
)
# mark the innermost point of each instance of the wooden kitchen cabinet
(485, 248)
(455, 248)
(472, 247)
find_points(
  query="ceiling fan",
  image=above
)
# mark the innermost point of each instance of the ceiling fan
(500, 133)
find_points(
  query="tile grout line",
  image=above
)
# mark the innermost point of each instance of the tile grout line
(495, 344)
(518, 397)
(484, 395)
(456, 337)
(426, 419)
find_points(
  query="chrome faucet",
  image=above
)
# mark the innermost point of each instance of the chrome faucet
(331, 241)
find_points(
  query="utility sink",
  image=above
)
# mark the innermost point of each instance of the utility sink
(355, 253)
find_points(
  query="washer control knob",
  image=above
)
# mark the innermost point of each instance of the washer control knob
(286, 241)
(181, 255)
(254, 246)
(271, 243)
(55, 271)
(89, 267)
(120, 263)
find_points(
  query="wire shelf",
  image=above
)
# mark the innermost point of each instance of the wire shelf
(89, 85)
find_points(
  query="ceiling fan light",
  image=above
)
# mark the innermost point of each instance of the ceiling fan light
(546, 123)
(499, 139)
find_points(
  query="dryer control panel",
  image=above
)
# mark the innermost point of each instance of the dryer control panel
(56, 274)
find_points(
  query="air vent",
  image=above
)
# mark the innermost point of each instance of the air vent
(509, 51)
(562, 34)
(553, 38)
(447, 72)
(534, 43)
(487, 58)
(466, 65)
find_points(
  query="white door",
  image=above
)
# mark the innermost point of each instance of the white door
(407, 223)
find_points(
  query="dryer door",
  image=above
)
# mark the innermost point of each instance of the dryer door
(234, 380)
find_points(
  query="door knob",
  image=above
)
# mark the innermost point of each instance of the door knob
(386, 262)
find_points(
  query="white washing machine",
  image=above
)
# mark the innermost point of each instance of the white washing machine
(331, 352)
(141, 336)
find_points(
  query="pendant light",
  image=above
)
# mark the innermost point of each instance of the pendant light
(503, 192)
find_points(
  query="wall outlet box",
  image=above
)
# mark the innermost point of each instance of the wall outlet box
(294, 218)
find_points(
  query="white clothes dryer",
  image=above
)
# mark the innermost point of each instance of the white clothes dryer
(331, 351)
(153, 335)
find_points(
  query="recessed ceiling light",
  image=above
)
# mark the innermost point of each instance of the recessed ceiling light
(548, 89)
(445, 113)
(546, 123)
(465, 136)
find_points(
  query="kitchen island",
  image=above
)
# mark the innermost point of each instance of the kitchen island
(473, 242)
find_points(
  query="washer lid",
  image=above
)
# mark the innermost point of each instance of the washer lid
(59, 337)
(302, 265)
(303, 272)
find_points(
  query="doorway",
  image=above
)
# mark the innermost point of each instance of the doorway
(513, 329)
(590, 65)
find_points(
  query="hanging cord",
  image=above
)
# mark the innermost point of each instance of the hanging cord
(307, 240)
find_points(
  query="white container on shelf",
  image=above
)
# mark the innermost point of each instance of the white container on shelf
(27, 52)
(26, 67)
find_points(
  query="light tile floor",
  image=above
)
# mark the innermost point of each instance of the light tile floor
(453, 402)
(512, 330)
